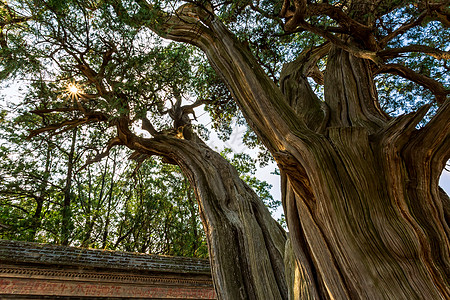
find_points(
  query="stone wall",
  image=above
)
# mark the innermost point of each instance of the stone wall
(44, 271)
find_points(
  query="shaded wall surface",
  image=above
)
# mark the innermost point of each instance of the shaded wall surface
(40, 271)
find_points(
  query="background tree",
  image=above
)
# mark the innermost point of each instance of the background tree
(112, 205)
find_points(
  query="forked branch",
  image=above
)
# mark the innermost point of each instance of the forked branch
(436, 133)
(112, 142)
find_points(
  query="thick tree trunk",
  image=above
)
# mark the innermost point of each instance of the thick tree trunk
(246, 245)
(357, 237)
(369, 223)
(364, 213)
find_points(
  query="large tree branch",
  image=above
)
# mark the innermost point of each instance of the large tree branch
(351, 26)
(112, 142)
(148, 126)
(399, 130)
(297, 90)
(437, 88)
(439, 10)
(183, 26)
(295, 17)
(259, 98)
(70, 124)
(42, 112)
(435, 136)
(394, 52)
(358, 52)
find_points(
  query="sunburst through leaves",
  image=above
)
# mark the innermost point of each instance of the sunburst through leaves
(73, 90)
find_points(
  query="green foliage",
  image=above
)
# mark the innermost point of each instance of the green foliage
(398, 95)
(113, 204)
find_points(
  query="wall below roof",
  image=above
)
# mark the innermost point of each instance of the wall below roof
(38, 271)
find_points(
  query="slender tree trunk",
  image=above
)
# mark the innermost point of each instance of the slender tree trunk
(88, 224)
(66, 211)
(108, 209)
(40, 199)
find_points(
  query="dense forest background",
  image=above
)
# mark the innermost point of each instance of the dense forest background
(50, 192)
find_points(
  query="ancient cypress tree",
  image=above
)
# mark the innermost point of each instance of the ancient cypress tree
(366, 216)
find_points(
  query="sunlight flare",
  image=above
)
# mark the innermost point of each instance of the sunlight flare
(74, 90)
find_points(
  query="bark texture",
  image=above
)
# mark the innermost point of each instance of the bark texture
(246, 244)
(360, 189)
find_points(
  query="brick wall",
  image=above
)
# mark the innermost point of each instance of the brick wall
(52, 254)
(32, 269)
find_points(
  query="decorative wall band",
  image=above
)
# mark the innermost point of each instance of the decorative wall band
(41, 287)
(26, 252)
(103, 277)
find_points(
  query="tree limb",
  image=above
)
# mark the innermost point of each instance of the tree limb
(148, 126)
(393, 52)
(437, 88)
(112, 142)
(67, 125)
(296, 88)
(42, 112)
(399, 129)
(358, 52)
(296, 18)
(436, 133)
(293, 17)
(183, 26)
(402, 29)
(352, 26)
(260, 99)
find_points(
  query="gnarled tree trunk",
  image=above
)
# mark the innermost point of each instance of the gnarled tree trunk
(360, 189)
(368, 222)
